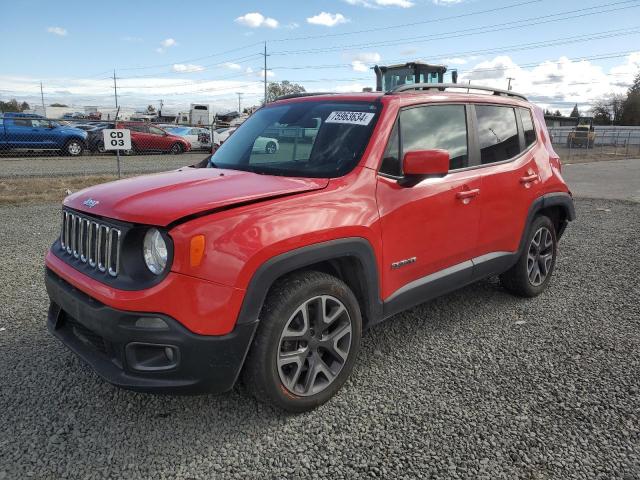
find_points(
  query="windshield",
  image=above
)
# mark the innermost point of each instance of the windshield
(178, 130)
(307, 139)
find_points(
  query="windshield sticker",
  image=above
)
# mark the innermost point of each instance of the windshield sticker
(353, 118)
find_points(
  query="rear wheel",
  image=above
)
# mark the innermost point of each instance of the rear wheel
(176, 149)
(532, 273)
(100, 147)
(306, 344)
(73, 148)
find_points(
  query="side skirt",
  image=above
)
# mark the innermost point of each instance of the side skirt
(447, 280)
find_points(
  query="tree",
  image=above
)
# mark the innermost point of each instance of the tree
(151, 109)
(575, 113)
(58, 105)
(631, 106)
(547, 111)
(13, 106)
(558, 113)
(601, 112)
(278, 89)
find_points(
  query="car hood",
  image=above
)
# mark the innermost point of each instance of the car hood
(163, 198)
(74, 131)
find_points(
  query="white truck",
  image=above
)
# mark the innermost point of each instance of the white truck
(198, 115)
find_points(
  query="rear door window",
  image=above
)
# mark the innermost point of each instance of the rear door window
(497, 133)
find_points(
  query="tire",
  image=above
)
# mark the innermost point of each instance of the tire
(329, 349)
(100, 148)
(531, 275)
(176, 149)
(271, 147)
(73, 148)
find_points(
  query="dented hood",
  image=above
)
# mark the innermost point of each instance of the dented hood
(163, 198)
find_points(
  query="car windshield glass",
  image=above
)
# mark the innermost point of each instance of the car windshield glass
(179, 131)
(303, 139)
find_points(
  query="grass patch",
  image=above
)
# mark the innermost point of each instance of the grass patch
(14, 191)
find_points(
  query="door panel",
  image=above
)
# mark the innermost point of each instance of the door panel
(427, 222)
(508, 187)
(432, 224)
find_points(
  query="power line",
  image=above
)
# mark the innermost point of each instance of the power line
(533, 21)
(405, 25)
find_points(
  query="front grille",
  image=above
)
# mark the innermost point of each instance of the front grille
(91, 242)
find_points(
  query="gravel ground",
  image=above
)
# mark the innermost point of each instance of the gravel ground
(477, 384)
(46, 166)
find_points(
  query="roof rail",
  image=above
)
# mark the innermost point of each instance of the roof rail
(303, 94)
(443, 86)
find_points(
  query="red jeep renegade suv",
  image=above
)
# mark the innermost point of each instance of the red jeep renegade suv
(268, 267)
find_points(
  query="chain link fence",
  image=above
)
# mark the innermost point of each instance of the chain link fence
(575, 145)
(33, 146)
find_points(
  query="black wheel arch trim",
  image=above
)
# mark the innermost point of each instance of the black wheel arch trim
(274, 268)
(556, 199)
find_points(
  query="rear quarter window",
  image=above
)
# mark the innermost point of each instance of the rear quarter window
(528, 127)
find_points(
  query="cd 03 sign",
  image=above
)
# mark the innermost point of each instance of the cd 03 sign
(118, 139)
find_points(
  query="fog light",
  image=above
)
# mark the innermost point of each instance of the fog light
(150, 357)
(152, 322)
(168, 351)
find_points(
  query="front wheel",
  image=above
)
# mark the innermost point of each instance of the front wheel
(532, 273)
(306, 343)
(74, 148)
(176, 149)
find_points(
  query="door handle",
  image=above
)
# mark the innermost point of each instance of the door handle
(529, 178)
(466, 194)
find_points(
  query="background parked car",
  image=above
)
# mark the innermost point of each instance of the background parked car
(221, 134)
(27, 131)
(149, 138)
(198, 137)
(95, 140)
(266, 145)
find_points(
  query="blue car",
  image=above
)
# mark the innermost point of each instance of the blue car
(33, 132)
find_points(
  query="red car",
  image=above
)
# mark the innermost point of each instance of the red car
(149, 138)
(268, 267)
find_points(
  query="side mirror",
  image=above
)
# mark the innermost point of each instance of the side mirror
(425, 163)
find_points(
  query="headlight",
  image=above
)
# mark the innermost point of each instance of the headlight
(155, 251)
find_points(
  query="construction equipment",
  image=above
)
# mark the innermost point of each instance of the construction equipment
(584, 135)
(391, 76)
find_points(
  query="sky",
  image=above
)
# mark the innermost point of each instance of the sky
(559, 53)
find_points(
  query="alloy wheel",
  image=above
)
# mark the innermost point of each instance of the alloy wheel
(540, 256)
(74, 148)
(314, 345)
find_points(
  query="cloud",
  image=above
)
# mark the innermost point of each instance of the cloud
(556, 83)
(166, 43)
(256, 20)
(232, 66)
(61, 32)
(186, 68)
(292, 26)
(454, 61)
(409, 51)
(327, 19)
(382, 3)
(361, 62)
(447, 3)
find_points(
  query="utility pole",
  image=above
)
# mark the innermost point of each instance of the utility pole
(161, 105)
(115, 90)
(44, 110)
(509, 85)
(239, 98)
(265, 72)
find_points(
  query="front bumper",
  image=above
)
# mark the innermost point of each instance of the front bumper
(131, 356)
